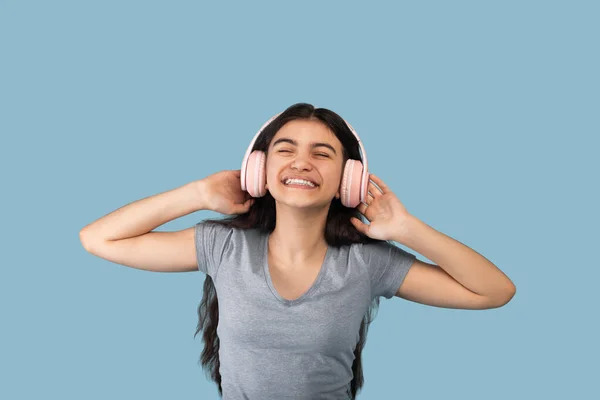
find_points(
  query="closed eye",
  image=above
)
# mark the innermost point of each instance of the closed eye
(288, 151)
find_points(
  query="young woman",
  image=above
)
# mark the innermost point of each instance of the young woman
(294, 275)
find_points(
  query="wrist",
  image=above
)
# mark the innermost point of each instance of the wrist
(198, 194)
(406, 228)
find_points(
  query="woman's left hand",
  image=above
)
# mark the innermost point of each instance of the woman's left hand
(387, 215)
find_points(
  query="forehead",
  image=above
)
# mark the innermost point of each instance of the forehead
(307, 131)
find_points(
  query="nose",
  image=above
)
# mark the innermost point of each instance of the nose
(301, 163)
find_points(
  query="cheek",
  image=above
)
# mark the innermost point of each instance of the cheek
(271, 171)
(335, 177)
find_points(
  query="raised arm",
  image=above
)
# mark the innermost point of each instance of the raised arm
(125, 235)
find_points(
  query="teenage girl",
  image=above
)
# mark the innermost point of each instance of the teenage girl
(295, 272)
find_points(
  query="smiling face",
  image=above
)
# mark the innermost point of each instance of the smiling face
(308, 150)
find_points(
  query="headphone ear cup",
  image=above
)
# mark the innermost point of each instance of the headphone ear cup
(255, 174)
(351, 183)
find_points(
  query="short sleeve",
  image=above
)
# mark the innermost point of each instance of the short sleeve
(388, 265)
(211, 240)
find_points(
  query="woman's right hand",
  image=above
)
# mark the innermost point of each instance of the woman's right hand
(222, 192)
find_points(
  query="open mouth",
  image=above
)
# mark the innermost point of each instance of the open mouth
(300, 183)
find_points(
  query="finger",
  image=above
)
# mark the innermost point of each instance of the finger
(242, 208)
(359, 225)
(374, 190)
(362, 208)
(370, 198)
(379, 182)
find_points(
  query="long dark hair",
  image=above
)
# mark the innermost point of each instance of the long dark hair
(339, 231)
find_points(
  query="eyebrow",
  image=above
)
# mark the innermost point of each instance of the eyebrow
(312, 145)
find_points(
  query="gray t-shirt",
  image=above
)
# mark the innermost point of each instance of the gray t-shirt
(273, 348)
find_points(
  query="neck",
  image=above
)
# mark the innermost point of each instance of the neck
(298, 236)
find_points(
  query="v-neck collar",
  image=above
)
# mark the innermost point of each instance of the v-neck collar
(274, 292)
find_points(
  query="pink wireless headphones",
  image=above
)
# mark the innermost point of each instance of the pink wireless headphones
(353, 189)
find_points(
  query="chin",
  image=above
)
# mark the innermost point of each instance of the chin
(299, 202)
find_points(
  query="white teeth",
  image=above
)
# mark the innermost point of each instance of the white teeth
(299, 182)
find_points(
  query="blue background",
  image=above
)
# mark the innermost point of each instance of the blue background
(483, 118)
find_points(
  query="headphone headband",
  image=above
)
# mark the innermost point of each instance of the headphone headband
(364, 180)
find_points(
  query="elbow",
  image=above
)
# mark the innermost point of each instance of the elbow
(511, 293)
(505, 297)
(86, 241)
